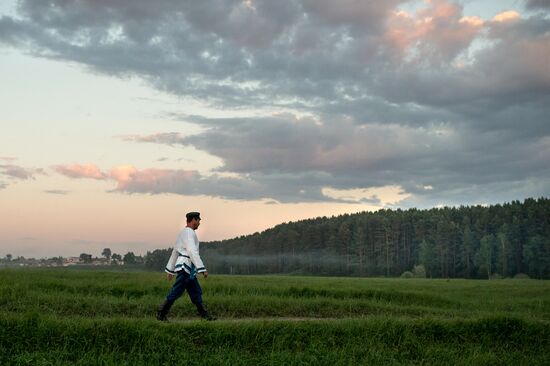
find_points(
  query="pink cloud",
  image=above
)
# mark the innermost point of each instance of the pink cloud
(131, 179)
(123, 173)
(506, 16)
(436, 33)
(90, 171)
(152, 180)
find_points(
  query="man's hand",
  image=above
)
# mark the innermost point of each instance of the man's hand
(169, 276)
(205, 274)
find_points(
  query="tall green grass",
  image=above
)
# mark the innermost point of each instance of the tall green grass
(65, 317)
(137, 294)
(36, 340)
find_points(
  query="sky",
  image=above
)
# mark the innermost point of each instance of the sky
(118, 117)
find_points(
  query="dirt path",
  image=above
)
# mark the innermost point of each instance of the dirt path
(261, 319)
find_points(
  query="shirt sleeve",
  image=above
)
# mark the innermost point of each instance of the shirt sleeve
(193, 250)
(171, 265)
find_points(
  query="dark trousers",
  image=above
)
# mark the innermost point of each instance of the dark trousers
(183, 282)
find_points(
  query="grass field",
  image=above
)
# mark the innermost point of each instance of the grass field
(66, 317)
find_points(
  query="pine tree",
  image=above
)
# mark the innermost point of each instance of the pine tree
(486, 254)
(427, 257)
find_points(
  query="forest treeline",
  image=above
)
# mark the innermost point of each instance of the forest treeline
(501, 240)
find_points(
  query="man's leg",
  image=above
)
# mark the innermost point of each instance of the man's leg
(195, 294)
(177, 290)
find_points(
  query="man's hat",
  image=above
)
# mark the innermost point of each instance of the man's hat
(193, 215)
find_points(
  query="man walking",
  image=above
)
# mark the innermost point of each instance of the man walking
(185, 262)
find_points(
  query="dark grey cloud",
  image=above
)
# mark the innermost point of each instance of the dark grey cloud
(538, 4)
(511, 73)
(296, 53)
(431, 99)
(286, 158)
(356, 14)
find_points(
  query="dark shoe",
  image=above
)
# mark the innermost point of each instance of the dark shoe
(204, 313)
(163, 310)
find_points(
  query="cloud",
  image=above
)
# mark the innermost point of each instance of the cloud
(90, 171)
(57, 191)
(375, 196)
(283, 187)
(538, 4)
(306, 187)
(301, 54)
(363, 15)
(18, 172)
(130, 179)
(374, 96)
(169, 138)
(284, 143)
(15, 173)
(506, 16)
(436, 34)
(302, 159)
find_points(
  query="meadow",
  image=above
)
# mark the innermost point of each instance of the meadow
(85, 317)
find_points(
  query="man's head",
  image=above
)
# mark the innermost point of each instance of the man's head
(193, 220)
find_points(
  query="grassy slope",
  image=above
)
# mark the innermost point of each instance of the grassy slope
(73, 317)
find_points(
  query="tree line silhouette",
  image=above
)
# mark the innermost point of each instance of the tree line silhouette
(502, 240)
